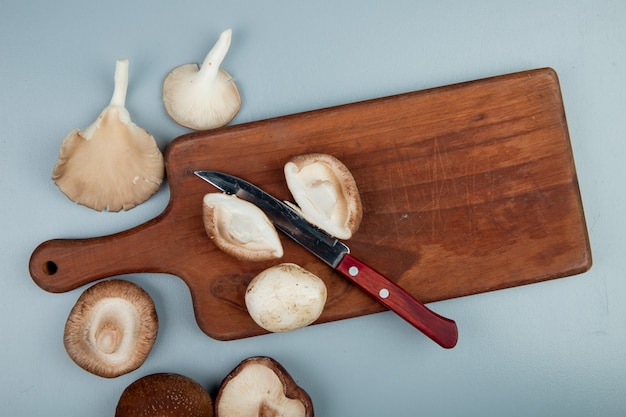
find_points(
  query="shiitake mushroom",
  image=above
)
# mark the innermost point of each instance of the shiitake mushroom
(111, 329)
(164, 395)
(261, 387)
(325, 193)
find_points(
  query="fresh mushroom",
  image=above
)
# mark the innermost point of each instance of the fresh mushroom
(261, 387)
(112, 164)
(204, 97)
(240, 228)
(164, 395)
(285, 297)
(111, 328)
(325, 192)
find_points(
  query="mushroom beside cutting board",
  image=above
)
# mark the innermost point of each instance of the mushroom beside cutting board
(261, 387)
(113, 164)
(111, 329)
(164, 395)
(203, 97)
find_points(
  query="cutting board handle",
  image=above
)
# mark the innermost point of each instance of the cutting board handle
(61, 265)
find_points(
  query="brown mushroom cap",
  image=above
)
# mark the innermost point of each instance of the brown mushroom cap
(239, 228)
(112, 164)
(111, 328)
(164, 395)
(260, 387)
(325, 193)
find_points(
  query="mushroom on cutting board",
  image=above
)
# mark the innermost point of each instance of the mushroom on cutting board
(260, 387)
(164, 395)
(285, 297)
(203, 97)
(111, 328)
(240, 228)
(112, 164)
(325, 193)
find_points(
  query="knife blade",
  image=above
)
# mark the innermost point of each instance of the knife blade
(337, 255)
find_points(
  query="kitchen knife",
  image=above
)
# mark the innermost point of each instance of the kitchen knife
(337, 255)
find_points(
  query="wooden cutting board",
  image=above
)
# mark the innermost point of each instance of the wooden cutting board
(466, 188)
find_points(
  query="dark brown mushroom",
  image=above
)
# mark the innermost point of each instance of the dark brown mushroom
(260, 387)
(164, 395)
(111, 328)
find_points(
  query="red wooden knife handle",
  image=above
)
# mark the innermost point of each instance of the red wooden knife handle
(440, 329)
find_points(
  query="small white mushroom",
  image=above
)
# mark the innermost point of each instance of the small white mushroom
(112, 164)
(325, 193)
(111, 329)
(261, 387)
(204, 97)
(240, 228)
(285, 297)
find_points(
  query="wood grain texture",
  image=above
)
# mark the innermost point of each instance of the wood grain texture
(466, 188)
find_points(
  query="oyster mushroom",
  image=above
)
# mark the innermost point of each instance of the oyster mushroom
(111, 328)
(260, 387)
(164, 395)
(112, 164)
(240, 228)
(325, 193)
(285, 297)
(204, 97)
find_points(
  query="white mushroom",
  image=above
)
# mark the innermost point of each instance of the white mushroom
(240, 228)
(261, 387)
(164, 395)
(285, 297)
(325, 192)
(111, 329)
(112, 164)
(203, 97)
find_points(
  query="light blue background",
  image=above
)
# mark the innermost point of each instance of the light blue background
(550, 349)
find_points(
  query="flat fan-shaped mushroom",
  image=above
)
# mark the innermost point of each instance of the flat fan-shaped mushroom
(204, 97)
(112, 164)
(111, 328)
(285, 297)
(325, 192)
(240, 228)
(164, 395)
(261, 387)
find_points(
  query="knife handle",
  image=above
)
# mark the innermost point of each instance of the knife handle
(440, 329)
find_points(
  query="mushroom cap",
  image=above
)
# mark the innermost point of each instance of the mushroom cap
(164, 395)
(260, 386)
(203, 97)
(325, 193)
(112, 164)
(239, 228)
(111, 329)
(285, 297)
(197, 105)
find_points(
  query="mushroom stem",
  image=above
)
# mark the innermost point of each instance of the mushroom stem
(213, 60)
(121, 83)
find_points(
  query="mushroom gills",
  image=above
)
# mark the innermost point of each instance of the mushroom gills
(113, 164)
(203, 97)
(111, 328)
(261, 387)
(325, 193)
(239, 228)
